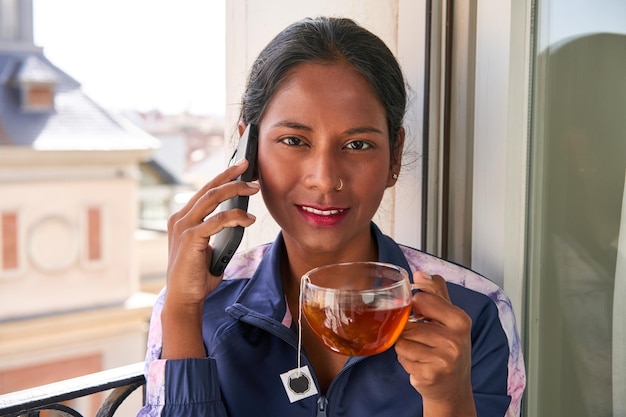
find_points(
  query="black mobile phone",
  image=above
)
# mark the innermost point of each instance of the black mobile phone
(228, 239)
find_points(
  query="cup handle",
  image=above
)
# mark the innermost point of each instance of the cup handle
(412, 317)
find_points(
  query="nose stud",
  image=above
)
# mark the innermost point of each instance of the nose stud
(340, 185)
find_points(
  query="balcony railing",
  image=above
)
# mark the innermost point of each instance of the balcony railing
(122, 381)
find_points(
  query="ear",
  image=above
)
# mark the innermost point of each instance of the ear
(242, 128)
(396, 158)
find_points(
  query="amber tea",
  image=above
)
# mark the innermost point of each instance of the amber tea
(359, 332)
(357, 309)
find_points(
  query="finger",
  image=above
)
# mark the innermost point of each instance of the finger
(425, 334)
(228, 218)
(206, 204)
(437, 309)
(409, 350)
(434, 284)
(434, 343)
(179, 224)
(229, 174)
(421, 342)
(197, 237)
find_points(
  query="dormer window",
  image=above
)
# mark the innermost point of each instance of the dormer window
(36, 82)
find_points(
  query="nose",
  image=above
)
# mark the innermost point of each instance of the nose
(323, 170)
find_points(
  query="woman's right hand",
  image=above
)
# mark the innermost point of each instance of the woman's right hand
(189, 281)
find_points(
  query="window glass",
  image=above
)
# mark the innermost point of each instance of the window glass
(578, 209)
(9, 239)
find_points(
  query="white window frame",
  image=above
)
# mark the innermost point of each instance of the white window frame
(501, 142)
(504, 55)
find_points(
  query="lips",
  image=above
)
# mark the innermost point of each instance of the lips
(323, 216)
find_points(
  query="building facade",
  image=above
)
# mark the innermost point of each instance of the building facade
(70, 290)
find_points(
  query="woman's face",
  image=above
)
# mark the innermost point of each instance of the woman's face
(323, 126)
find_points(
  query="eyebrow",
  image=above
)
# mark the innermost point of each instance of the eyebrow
(293, 125)
(352, 131)
(363, 129)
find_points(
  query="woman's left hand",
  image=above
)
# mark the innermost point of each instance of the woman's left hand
(436, 351)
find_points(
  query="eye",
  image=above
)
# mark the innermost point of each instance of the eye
(358, 145)
(292, 141)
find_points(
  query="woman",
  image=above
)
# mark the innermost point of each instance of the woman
(328, 98)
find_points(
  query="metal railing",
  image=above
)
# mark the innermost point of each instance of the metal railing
(30, 402)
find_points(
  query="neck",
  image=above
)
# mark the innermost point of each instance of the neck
(297, 261)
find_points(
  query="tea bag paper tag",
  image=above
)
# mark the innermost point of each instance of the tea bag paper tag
(298, 384)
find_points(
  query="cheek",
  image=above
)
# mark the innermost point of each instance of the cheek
(274, 183)
(277, 172)
(370, 194)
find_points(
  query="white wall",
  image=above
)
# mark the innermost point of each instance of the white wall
(99, 311)
(116, 336)
(51, 199)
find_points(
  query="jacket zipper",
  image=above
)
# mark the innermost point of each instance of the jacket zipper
(322, 403)
(282, 332)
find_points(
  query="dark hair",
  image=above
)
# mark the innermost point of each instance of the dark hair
(327, 39)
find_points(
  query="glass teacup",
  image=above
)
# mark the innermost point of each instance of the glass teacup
(357, 308)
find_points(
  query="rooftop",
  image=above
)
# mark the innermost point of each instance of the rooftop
(74, 122)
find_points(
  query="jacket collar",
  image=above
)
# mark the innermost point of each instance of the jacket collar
(264, 292)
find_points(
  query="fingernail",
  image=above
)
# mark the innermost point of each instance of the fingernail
(251, 216)
(254, 185)
(241, 161)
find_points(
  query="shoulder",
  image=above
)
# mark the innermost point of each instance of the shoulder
(493, 319)
(244, 264)
(453, 273)
(237, 275)
(468, 289)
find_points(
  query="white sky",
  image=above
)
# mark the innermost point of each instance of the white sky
(139, 54)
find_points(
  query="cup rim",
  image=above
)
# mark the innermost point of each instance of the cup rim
(403, 273)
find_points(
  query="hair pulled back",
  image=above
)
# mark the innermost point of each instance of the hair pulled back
(326, 39)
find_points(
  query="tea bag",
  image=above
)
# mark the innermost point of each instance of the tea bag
(298, 383)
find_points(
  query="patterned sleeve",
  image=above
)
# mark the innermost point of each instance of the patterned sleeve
(154, 367)
(178, 388)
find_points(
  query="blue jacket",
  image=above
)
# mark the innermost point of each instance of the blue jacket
(250, 340)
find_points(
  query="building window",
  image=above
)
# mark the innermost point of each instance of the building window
(37, 82)
(94, 234)
(38, 97)
(9, 242)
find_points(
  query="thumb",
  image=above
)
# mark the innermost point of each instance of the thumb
(432, 284)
